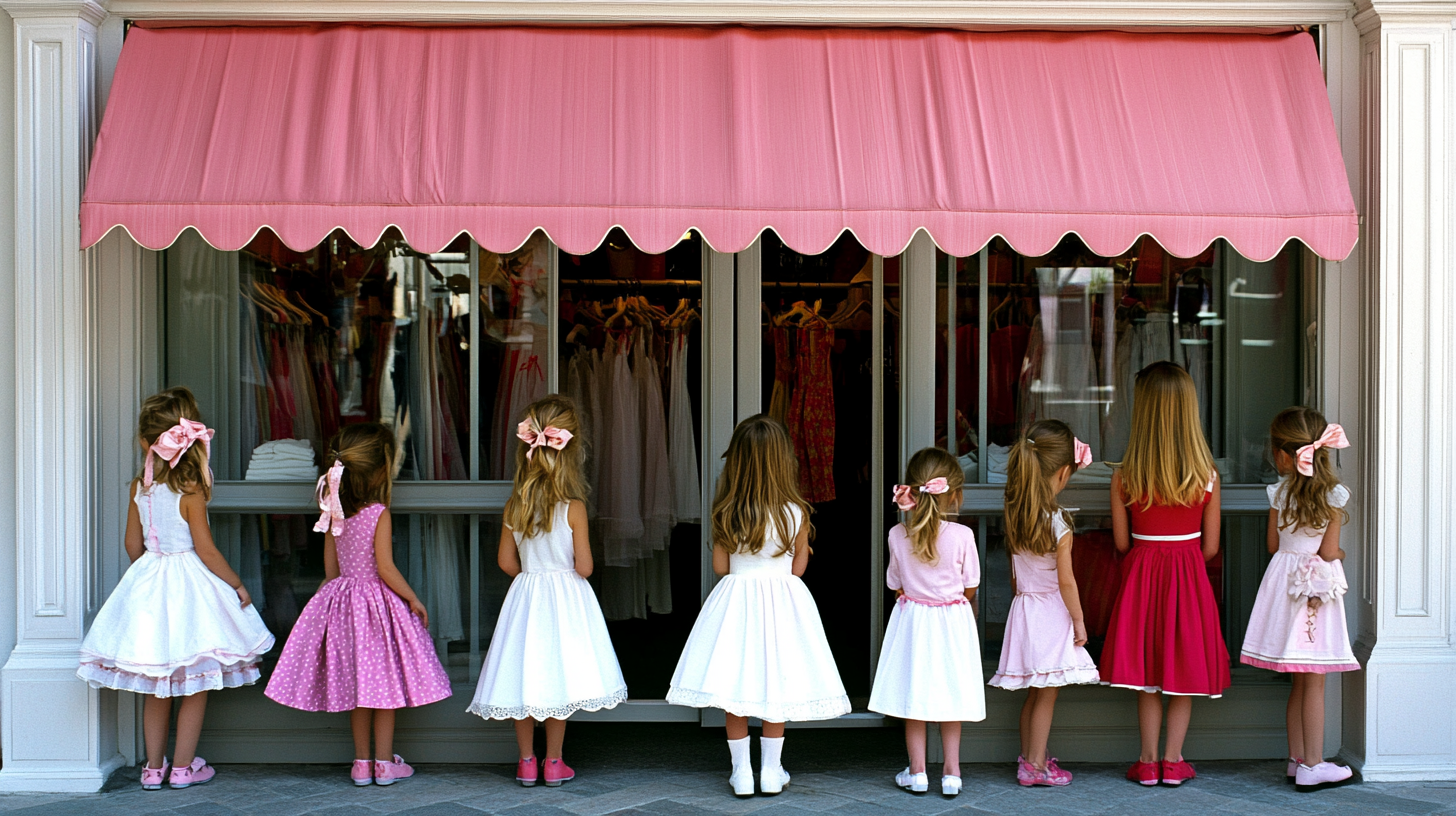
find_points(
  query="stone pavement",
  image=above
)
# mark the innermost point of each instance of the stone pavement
(679, 770)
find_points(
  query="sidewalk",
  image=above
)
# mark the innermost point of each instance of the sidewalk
(677, 770)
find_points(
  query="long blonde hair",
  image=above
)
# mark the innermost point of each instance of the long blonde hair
(1045, 448)
(1306, 498)
(922, 524)
(1167, 460)
(760, 481)
(367, 451)
(160, 413)
(546, 477)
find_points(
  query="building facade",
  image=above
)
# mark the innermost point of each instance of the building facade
(96, 325)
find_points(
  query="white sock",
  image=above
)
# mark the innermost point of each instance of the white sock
(773, 751)
(739, 750)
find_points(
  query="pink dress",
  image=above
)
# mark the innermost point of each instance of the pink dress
(1038, 651)
(357, 645)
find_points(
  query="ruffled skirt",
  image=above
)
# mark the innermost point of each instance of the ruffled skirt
(1037, 651)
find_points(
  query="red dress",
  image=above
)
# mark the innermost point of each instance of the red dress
(1164, 634)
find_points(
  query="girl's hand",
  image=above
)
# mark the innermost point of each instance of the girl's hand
(1079, 633)
(419, 611)
(244, 596)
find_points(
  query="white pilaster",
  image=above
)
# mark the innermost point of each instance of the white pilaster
(917, 346)
(52, 733)
(1409, 717)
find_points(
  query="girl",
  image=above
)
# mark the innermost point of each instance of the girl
(360, 644)
(758, 647)
(1298, 622)
(1045, 633)
(180, 623)
(930, 666)
(551, 655)
(1163, 637)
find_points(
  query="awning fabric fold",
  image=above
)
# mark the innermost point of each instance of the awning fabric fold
(500, 131)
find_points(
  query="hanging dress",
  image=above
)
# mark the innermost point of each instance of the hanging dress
(682, 441)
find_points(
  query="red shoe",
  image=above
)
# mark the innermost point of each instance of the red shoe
(526, 772)
(1145, 773)
(557, 772)
(1176, 773)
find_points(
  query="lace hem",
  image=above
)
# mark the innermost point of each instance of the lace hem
(180, 683)
(827, 708)
(1075, 676)
(490, 712)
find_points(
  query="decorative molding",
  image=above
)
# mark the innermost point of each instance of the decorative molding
(89, 11)
(817, 12)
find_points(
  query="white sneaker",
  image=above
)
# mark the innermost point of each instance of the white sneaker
(915, 783)
(950, 785)
(1323, 775)
(742, 781)
(772, 780)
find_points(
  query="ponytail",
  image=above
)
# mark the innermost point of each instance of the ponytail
(931, 474)
(1035, 458)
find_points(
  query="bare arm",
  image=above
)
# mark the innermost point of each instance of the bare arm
(134, 541)
(1330, 546)
(1271, 538)
(720, 560)
(389, 573)
(331, 557)
(194, 512)
(580, 543)
(1212, 519)
(1067, 583)
(507, 556)
(801, 550)
(1121, 539)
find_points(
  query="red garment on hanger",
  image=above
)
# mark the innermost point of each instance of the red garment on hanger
(1006, 350)
(811, 415)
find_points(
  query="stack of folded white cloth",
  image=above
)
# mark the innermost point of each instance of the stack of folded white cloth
(282, 460)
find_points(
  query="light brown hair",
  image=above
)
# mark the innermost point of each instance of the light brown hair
(160, 413)
(922, 523)
(548, 476)
(367, 451)
(760, 481)
(1043, 450)
(1168, 461)
(1306, 499)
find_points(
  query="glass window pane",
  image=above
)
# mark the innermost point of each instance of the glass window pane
(514, 291)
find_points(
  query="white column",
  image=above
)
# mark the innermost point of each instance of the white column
(52, 733)
(1409, 718)
(917, 347)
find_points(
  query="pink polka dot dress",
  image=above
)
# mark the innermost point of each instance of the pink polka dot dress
(356, 644)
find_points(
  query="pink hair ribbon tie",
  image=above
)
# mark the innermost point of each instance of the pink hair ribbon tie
(331, 515)
(552, 437)
(175, 442)
(905, 498)
(1081, 453)
(1333, 437)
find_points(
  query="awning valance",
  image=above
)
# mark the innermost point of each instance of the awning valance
(501, 131)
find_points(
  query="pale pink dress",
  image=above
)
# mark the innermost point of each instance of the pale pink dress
(1037, 651)
(357, 645)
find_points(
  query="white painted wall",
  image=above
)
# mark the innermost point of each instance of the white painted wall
(8, 283)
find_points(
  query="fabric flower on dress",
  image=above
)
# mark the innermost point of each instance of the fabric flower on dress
(1316, 579)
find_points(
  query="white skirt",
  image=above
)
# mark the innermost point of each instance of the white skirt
(172, 628)
(758, 650)
(551, 655)
(930, 665)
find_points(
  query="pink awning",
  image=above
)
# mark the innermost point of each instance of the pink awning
(501, 131)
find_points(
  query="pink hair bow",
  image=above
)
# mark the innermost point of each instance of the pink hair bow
(552, 437)
(1333, 437)
(175, 442)
(905, 498)
(1081, 453)
(331, 517)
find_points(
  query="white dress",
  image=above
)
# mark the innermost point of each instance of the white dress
(171, 627)
(758, 647)
(551, 655)
(682, 442)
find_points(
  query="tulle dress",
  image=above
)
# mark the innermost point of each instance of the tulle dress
(551, 655)
(1284, 634)
(356, 644)
(171, 627)
(930, 664)
(758, 647)
(1165, 634)
(1037, 651)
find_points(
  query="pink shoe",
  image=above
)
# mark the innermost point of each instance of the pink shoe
(1145, 773)
(527, 772)
(1055, 771)
(1025, 772)
(557, 772)
(1051, 776)
(152, 778)
(195, 774)
(362, 773)
(388, 773)
(1289, 770)
(1324, 775)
